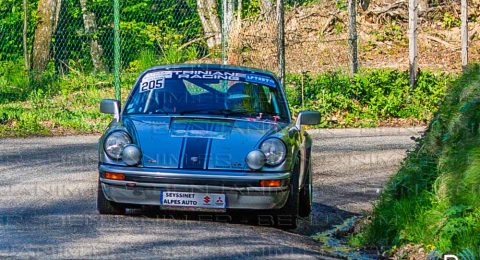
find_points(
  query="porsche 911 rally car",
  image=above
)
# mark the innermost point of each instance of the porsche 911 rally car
(206, 137)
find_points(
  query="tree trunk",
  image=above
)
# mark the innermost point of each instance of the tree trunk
(228, 14)
(412, 41)
(96, 50)
(47, 11)
(207, 10)
(235, 38)
(281, 41)
(464, 32)
(352, 38)
(58, 8)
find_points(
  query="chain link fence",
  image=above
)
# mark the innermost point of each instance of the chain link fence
(78, 35)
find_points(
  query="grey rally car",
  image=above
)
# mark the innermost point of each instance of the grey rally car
(207, 138)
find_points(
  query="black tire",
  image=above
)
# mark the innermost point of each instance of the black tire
(286, 217)
(106, 207)
(306, 195)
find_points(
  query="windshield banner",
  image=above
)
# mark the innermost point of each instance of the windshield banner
(156, 79)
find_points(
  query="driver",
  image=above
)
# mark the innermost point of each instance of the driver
(239, 98)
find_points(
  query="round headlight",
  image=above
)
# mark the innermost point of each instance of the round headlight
(274, 150)
(131, 155)
(115, 143)
(256, 159)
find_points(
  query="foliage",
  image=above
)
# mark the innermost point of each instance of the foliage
(71, 108)
(433, 199)
(369, 98)
(450, 21)
(391, 32)
(159, 26)
(341, 4)
(69, 104)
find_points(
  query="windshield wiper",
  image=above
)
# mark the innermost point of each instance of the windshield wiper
(225, 112)
(193, 111)
(229, 112)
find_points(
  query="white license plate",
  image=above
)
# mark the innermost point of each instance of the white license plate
(192, 199)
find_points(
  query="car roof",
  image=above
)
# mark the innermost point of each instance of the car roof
(212, 67)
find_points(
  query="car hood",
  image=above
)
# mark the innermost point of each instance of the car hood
(197, 143)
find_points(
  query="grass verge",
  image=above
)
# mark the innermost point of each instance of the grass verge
(433, 200)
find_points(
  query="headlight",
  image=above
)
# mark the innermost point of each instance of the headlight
(255, 159)
(275, 151)
(114, 144)
(131, 155)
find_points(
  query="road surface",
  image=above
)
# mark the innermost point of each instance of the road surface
(48, 193)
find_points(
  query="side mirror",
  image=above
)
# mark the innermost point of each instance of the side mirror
(110, 106)
(308, 118)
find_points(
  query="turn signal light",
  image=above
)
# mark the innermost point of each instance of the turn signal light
(270, 183)
(114, 176)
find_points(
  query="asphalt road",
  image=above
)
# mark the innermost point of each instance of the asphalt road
(48, 193)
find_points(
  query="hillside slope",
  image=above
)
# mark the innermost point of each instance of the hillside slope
(316, 37)
(434, 198)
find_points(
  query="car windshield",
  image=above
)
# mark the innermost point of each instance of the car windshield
(226, 93)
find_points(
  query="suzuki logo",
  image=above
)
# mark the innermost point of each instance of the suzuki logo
(206, 199)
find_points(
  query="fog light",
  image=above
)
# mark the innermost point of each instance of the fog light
(114, 176)
(131, 155)
(270, 183)
(256, 159)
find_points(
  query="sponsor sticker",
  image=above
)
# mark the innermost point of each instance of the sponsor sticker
(208, 74)
(154, 80)
(260, 79)
(192, 199)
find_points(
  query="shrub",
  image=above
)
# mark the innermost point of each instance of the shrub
(433, 199)
(367, 99)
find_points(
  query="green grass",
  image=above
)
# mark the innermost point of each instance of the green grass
(55, 105)
(68, 104)
(434, 199)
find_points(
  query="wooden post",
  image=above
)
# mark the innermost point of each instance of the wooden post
(25, 31)
(352, 38)
(224, 31)
(281, 41)
(464, 14)
(412, 41)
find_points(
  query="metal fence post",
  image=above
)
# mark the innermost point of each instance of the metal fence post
(464, 14)
(281, 41)
(25, 31)
(412, 41)
(352, 38)
(116, 28)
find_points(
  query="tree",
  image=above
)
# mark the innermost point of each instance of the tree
(352, 36)
(47, 13)
(207, 10)
(90, 25)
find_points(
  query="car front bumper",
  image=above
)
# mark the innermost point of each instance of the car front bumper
(143, 186)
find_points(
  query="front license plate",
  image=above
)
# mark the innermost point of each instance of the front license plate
(192, 199)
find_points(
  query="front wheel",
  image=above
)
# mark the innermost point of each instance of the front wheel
(306, 195)
(286, 217)
(106, 207)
